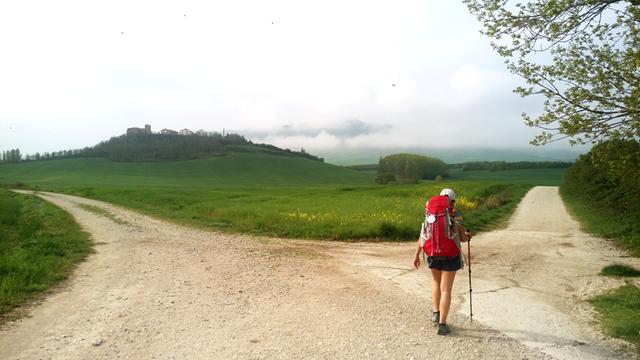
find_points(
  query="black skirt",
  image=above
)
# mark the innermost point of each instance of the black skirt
(445, 263)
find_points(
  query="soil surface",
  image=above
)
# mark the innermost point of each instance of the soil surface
(156, 290)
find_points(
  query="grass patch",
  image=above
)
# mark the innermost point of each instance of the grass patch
(337, 213)
(619, 313)
(620, 270)
(40, 245)
(102, 212)
(600, 222)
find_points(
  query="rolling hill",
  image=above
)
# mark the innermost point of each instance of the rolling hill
(230, 170)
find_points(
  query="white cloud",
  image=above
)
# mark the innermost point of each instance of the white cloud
(471, 82)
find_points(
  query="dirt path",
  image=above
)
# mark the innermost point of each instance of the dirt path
(530, 281)
(155, 290)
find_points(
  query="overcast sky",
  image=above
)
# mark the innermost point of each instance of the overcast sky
(314, 74)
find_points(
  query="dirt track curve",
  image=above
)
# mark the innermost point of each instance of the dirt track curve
(156, 290)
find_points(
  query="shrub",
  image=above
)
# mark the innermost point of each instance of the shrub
(411, 167)
(385, 178)
(494, 201)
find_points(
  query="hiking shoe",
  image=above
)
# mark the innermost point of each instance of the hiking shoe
(435, 318)
(443, 329)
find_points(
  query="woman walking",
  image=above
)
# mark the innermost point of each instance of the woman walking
(440, 240)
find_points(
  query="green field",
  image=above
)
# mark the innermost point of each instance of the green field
(549, 177)
(365, 212)
(39, 246)
(274, 195)
(237, 170)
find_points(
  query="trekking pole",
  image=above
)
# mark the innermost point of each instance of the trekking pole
(470, 299)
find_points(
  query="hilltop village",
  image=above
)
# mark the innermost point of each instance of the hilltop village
(147, 130)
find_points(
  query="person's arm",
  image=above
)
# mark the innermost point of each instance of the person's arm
(465, 235)
(416, 258)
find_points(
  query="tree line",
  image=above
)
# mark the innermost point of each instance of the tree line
(486, 165)
(516, 165)
(274, 150)
(160, 147)
(171, 147)
(11, 156)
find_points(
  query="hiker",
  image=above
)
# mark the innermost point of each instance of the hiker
(440, 239)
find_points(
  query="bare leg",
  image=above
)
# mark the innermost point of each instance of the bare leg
(445, 301)
(436, 276)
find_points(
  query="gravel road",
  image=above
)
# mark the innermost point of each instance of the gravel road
(156, 290)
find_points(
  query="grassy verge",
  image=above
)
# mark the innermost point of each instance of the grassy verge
(620, 312)
(620, 270)
(338, 213)
(39, 246)
(496, 204)
(600, 222)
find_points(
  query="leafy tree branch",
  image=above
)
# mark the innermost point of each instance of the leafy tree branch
(583, 56)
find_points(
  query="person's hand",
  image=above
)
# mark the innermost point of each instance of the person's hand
(468, 234)
(416, 262)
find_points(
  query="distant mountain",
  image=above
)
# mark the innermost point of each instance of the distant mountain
(359, 156)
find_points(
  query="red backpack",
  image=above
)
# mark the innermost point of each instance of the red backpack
(438, 230)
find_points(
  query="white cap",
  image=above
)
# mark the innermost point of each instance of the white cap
(450, 193)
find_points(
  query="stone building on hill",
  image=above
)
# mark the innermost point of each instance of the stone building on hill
(137, 131)
(147, 130)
